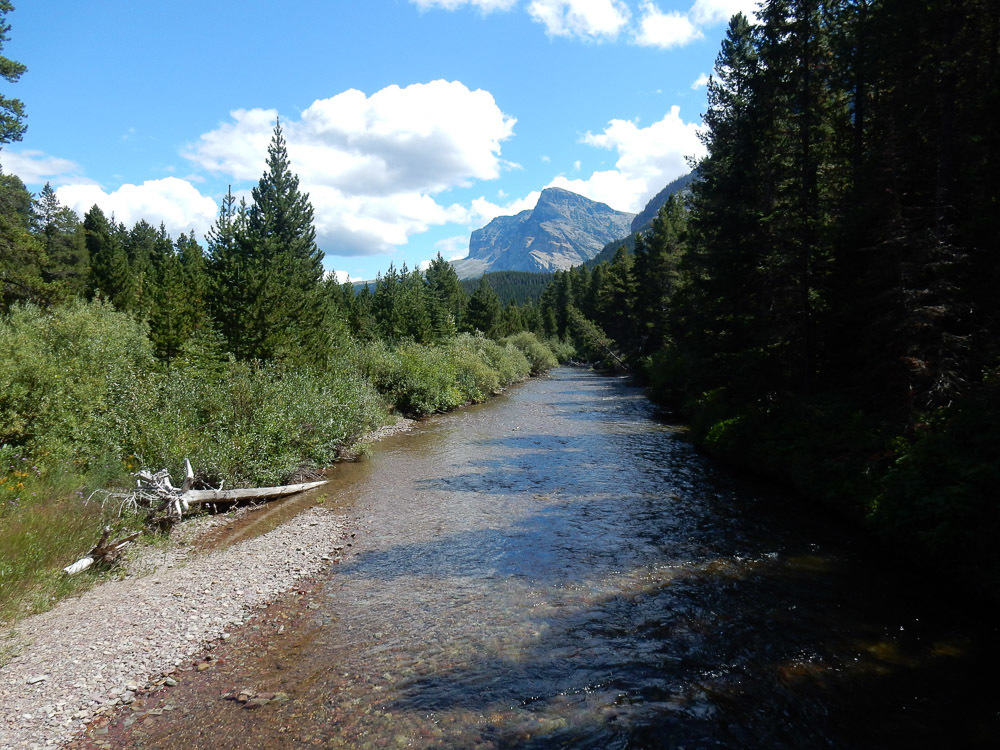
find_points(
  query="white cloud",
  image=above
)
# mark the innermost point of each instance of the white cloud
(587, 19)
(483, 211)
(176, 203)
(486, 6)
(36, 167)
(709, 12)
(648, 158)
(426, 137)
(577, 165)
(344, 276)
(700, 82)
(453, 248)
(665, 30)
(371, 164)
(599, 20)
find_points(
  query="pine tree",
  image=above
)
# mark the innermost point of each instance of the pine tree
(446, 297)
(386, 307)
(110, 273)
(413, 303)
(169, 307)
(231, 279)
(658, 255)
(22, 256)
(617, 298)
(145, 246)
(286, 266)
(61, 234)
(484, 310)
(364, 324)
(12, 125)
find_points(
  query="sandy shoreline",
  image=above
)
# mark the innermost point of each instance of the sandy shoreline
(93, 653)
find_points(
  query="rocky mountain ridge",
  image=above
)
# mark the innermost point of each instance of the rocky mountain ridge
(562, 230)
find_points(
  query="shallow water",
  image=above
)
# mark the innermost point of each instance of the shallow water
(559, 568)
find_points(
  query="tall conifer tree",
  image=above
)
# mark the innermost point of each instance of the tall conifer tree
(285, 263)
(110, 272)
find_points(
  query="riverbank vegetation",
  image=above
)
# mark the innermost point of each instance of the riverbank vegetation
(124, 348)
(823, 306)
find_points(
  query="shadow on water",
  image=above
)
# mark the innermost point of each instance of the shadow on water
(561, 569)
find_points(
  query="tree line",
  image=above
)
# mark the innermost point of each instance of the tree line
(258, 288)
(823, 306)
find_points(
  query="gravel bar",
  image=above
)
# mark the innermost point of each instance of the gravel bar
(90, 654)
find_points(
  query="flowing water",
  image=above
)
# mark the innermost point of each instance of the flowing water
(559, 568)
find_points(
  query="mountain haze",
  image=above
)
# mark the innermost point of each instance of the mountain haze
(562, 230)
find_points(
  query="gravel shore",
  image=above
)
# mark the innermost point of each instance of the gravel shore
(92, 653)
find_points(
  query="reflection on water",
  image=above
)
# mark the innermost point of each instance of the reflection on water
(558, 568)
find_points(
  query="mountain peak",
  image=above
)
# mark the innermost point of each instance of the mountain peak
(563, 229)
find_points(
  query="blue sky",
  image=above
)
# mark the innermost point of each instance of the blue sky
(410, 122)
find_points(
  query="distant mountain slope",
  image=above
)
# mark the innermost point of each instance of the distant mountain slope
(562, 230)
(644, 219)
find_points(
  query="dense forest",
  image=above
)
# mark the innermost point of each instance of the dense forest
(520, 287)
(822, 306)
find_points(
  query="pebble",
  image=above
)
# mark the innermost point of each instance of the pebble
(95, 652)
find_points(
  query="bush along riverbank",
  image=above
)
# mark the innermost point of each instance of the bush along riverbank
(84, 402)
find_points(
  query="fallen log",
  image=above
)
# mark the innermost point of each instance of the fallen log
(196, 497)
(167, 505)
(102, 551)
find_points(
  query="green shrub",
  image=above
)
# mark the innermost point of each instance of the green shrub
(475, 378)
(539, 356)
(68, 378)
(510, 364)
(940, 492)
(563, 349)
(254, 424)
(414, 378)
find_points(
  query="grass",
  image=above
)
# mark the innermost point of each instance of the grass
(39, 536)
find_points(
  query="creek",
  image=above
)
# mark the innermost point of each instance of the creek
(559, 567)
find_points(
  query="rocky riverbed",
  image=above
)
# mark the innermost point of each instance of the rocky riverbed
(90, 654)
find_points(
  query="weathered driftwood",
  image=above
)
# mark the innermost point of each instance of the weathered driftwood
(103, 551)
(195, 497)
(166, 504)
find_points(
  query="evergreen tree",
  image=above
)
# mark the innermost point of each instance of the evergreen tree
(658, 255)
(446, 297)
(484, 311)
(386, 308)
(110, 273)
(176, 292)
(286, 266)
(617, 298)
(231, 276)
(364, 324)
(12, 125)
(195, 270)
(61, 234)
(170, 318)
(413, 303)
(511, 320)
(145, 246)
(22, 256)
